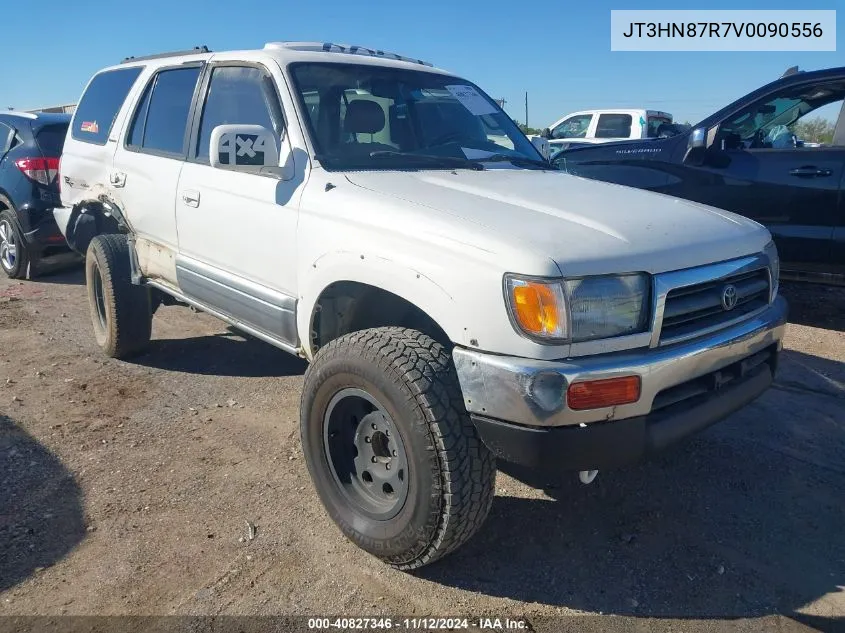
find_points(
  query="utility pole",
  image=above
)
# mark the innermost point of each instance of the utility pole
(526, 108)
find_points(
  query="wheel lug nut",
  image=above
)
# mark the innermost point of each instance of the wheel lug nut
(394, 453)
(387, 466)
(374, 459)
(374, 426)
(368, 439)
(387, 432)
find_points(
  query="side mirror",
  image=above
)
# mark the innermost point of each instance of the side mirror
(248, 146)
(546, 133)
(542, 145)
(696, 147)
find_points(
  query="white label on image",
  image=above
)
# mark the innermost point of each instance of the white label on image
(471, 100)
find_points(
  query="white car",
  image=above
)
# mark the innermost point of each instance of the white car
(458, 299)
(604, 126)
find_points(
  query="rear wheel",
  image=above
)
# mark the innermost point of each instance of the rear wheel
(392, 452)
(14, 258)
(120, 311)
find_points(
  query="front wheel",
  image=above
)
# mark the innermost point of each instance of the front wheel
(393, 454)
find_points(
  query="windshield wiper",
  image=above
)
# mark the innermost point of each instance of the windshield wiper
(521, 161)
(432, 159)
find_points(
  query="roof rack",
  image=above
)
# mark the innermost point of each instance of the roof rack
(196, 50)
(329, 47)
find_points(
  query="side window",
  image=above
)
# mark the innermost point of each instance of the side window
(823, 127)
(136, 130)
(573, 127)
(614, 126)
(7, 139)
(161, 118)
(238, 94)
(100, 104)
(802, 117)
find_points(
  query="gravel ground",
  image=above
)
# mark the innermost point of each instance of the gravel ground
(126, 488)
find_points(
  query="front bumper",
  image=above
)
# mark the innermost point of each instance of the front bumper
(519, 405)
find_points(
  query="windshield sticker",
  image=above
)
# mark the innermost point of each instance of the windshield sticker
(90, 126)
(471, 100)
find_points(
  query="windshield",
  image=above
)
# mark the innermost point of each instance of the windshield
(378, 117)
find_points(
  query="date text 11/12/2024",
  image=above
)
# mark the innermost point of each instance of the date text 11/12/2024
(419, 624)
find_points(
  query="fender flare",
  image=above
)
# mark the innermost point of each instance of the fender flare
(411, 285)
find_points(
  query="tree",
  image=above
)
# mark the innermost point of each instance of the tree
(817, 130)
(528, 130)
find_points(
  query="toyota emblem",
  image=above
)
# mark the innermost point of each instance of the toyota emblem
(729, 297)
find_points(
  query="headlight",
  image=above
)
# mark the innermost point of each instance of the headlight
(579, 309)
(771, 252)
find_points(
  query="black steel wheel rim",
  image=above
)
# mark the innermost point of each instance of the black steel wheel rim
(366, 454)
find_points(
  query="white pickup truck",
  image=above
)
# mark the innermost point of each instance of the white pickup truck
(458, 299)
(604, 126)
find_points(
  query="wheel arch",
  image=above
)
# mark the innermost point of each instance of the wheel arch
(353, 294)
(90, 218)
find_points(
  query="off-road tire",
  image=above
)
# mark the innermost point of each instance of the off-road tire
(20, 268)
(120, 311)
(451, 481)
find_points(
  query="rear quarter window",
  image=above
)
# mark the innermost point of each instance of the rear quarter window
(51, 139)
(100, 104)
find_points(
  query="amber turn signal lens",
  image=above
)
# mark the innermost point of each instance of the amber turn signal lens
(536, 308)
(595, 394)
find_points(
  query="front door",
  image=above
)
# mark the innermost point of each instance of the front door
(237, 229)
(778, 164)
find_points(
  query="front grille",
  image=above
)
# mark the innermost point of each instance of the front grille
(697, 309)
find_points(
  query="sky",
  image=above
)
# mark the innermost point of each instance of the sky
(558, 51)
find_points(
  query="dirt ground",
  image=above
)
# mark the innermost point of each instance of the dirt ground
(126, 488)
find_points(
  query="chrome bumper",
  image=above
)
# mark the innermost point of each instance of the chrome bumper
(533, 393)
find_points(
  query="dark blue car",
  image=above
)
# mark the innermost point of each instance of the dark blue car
(30, 148)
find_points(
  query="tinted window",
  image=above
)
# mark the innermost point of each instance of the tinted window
(614, 126)
(100, 104)
(136, 130)
(168, 111)
(242, 95)
(51, 139)
(5, 138)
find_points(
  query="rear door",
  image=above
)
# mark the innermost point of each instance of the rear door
(146, 168)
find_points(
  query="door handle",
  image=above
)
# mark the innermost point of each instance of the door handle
(117, 179)
(810, 172)
(191, 198)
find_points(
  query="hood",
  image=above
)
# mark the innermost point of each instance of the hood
(586, 226)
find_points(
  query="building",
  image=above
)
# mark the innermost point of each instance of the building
(67, 108)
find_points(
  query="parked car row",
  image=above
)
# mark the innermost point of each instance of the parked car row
(459, 300)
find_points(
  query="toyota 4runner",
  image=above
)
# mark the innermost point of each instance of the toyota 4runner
(458, 299)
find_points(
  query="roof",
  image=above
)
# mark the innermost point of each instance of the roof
(39, 118)
(288, 52)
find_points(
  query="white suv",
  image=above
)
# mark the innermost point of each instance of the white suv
(458, 299)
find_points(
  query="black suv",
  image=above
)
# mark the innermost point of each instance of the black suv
(30, 147)
(746, 158)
